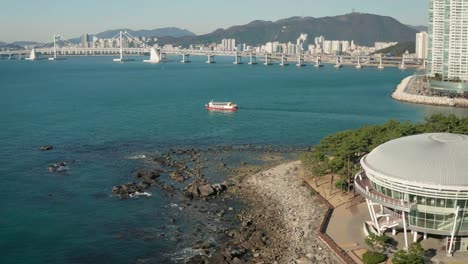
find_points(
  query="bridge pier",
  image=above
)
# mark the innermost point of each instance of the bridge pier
(318, 63)
(237, 59)
(210, 59)
(253, 59)
(358, 66)
(300, 61)
(185, 58)
(267, 60)
(381, 67)
(402, 65)
(338, 62)
(284, 61)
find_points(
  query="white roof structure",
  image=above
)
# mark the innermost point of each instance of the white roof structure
(436, 159)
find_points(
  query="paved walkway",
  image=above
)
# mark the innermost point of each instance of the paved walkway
(346, 225)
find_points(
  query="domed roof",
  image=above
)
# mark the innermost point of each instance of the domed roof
(435, 159)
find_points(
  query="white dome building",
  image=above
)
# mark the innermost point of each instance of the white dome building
(419, 183)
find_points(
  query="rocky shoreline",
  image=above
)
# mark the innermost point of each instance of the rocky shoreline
(248, 213)
(280, 206)
(401, 95)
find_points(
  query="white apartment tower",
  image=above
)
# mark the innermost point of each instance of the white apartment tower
(228, 44)
(421, 45)
(448, 39)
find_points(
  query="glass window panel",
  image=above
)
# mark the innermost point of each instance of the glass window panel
(464, 226)
(430, 224)
(449, 203)
(430, 216)
(440, 203)
(421, 214)
(421, 200)
(389, 192)
(420, 222)
(397, 195)
(439, 217)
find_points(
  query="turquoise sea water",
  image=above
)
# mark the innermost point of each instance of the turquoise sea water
(99, 113)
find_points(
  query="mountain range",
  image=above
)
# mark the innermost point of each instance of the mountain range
(364, 29)
(419, 28)
(172, 32)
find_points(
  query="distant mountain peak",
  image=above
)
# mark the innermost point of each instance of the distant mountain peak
(159, 32)
(363, 28)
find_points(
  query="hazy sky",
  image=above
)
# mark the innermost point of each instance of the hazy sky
(38, 20)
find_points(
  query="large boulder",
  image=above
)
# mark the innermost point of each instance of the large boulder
(202, 189)
(206, 190)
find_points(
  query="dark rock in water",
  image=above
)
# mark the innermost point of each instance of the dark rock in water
(148, 175)
(177, 176)
(57, 167)
(46, 147)
(202, 189)
(128, 190)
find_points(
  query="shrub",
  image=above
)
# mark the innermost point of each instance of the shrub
(373, 257)
(312, 192)
(341, 184)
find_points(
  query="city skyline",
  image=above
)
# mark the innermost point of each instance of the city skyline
(37, 21)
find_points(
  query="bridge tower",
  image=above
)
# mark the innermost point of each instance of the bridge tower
(155, 56)
(55, 49)
(253, 59)
(121, 58)
(33, 55)
(185, 58)
(210, 59)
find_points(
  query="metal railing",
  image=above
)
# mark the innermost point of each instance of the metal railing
(364, 186)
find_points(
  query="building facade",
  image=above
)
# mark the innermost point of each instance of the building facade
(419, 183)
(448, 39)
(421, 45)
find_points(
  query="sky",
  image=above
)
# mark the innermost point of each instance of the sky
(38, 20)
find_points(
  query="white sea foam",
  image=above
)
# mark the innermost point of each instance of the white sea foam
(136, 194)
(140, 156)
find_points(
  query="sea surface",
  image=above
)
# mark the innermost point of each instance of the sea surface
(101, 116)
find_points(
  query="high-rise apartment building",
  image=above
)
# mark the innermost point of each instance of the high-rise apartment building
(84, 40)
(448, 39)
(421, 45)
(228, 44)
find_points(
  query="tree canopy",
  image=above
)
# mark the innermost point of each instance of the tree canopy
(340, 153)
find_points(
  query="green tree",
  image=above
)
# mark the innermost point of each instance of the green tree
(340, 153)
(414, 255)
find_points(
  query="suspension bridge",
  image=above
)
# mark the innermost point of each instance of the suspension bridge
(61, 48)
